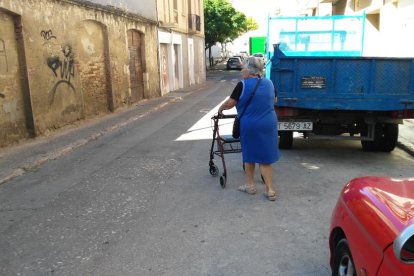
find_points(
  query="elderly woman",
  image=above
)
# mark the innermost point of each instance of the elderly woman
(258, 124)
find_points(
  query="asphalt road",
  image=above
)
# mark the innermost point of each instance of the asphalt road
(132, 195)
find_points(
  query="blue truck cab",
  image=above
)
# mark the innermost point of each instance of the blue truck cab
(342, 97)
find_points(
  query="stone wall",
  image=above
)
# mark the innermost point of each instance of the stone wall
(67, 60)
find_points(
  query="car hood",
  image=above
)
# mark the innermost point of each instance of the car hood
(381, 204)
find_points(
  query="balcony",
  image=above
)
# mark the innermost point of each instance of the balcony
(194, 23)
(168, 25)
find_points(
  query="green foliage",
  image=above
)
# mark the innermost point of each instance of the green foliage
(251, 24)
(222, 23)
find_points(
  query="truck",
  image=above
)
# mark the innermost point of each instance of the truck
(257, 44)
(342, 97)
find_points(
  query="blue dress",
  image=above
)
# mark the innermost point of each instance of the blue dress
(258, 124)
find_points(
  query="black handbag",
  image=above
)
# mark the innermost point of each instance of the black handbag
(236, 123)
(236, 128)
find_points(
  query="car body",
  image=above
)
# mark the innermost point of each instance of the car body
(234, 63)
(241, 55)
(372, 227)
(259, 55)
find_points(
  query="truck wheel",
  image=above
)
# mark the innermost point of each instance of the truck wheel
(388, 136)
(385, 138)
(285, 139)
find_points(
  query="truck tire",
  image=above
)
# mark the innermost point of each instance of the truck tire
(388, 137)
(285, 139)
(385, 138)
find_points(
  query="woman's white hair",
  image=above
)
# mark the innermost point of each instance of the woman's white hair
(254, 65)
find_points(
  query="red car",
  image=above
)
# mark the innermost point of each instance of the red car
(372, 228)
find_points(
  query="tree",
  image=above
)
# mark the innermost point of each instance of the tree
(223, 23)
(251, 24)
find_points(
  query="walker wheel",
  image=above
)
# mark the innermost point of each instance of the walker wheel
(214, 170)
(223, 181)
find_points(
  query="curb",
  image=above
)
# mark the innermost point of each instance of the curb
(407, 147)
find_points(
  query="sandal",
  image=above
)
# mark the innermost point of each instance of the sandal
(270, 196)
(251, 190)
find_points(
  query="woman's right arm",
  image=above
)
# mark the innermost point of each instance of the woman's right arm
(228, 104)
(232, 101)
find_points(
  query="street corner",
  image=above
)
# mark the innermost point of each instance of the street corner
(406, 146)
(406, 136)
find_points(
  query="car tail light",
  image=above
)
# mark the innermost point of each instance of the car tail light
(403, 114)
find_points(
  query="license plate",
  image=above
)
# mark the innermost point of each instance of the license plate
(295, 126)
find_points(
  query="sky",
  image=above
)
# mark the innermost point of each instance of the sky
(260, 9)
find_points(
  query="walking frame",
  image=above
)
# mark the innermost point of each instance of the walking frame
(225, 144)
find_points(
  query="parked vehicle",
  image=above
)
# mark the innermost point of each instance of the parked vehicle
(234, 63)
(372, 228)
(259, 55)
(327, 97)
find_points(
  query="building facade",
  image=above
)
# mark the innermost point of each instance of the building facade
(181, 43)
(62, 61)
(389, 24)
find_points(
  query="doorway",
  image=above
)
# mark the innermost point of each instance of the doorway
(136, 65)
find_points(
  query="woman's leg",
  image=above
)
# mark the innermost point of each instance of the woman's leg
(267, 173)
(249, 169)
(249, 187)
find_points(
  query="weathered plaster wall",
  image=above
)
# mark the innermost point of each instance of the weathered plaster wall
(144, 8)
(76, 63)
(12, 117)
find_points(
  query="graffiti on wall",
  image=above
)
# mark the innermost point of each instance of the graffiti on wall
(3, 58)
(61, 64)
(47, 35)
(65, 64)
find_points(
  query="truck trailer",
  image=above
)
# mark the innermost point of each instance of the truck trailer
(334, 97)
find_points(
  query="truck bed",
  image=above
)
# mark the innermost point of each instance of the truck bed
(343, 83)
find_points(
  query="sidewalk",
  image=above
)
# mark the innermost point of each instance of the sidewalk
(27, 156)
(406, 136)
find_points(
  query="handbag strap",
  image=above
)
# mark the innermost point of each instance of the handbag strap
(250, 99)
